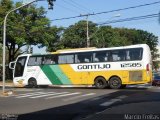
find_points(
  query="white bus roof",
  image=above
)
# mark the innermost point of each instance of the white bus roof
(87, 49)
(99, 49)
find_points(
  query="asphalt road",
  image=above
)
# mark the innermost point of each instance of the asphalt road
(79, 103)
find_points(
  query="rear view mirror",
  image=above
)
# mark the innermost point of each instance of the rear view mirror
(12, 65)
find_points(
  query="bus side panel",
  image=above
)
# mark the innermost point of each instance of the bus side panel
(87, 77)
(37, 73)
(74, 77)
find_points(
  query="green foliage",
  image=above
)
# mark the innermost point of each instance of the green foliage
(26, 26)
(75, 35)
(104, 36)
(53, 39)
(140, 37)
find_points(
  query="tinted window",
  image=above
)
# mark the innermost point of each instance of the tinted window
(117, 55)
(35, 60)
(101, 56)
(135, 53)
(63, 59)
(19, 68)
(83, 57)
(50, 59)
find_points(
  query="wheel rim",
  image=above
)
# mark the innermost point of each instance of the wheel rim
(32, 83)
(100, 83)
(115, 83)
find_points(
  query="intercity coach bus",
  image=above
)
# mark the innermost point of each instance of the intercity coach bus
(113, 67)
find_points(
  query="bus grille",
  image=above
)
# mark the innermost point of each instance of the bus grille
(135, 75)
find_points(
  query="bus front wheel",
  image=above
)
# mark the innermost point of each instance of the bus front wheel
(115, 83)
(100, 83)
(32, 83)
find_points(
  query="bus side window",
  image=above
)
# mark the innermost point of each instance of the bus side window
(83, 58)
(101, 56)
(114, 56)
(55, 59)
(96, 59)
(128, 55)
(66, 59)
(121, 55)
(31, 61)
(47, 60)
(135, 54)
(86, 60)
(39, 60)
(78, 58)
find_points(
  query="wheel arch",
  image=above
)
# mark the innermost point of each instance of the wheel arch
(32, 78)
(115, 76)
(115, 85)
(100, 82)
(101, 77)
(32, 82)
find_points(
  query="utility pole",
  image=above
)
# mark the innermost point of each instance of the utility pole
(4, 40)
(87, 27)
(25, 3)
(88, 40)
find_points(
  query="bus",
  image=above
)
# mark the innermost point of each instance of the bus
(113, 67)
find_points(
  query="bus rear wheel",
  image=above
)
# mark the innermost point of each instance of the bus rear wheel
(100, 83)
(115, 83)
(32, 83)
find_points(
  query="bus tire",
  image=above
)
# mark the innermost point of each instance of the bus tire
(100, 83)
(32, 83)
(115, 83)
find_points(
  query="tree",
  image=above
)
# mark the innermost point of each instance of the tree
(75, 35)
(106, 36)
(26, 26)
(140, 37)
(53, 42)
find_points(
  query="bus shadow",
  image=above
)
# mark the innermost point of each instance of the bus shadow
(91, 88)
(79, 110)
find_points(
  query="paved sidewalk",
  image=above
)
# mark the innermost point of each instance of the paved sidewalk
(8, 84)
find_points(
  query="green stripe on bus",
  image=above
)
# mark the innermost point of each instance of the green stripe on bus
(61, 75)
(51, 75)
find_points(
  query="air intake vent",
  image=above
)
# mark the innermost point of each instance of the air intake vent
(135, 75)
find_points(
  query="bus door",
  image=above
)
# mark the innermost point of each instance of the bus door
(19, 69)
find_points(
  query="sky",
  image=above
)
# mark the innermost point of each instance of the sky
(69, 8)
